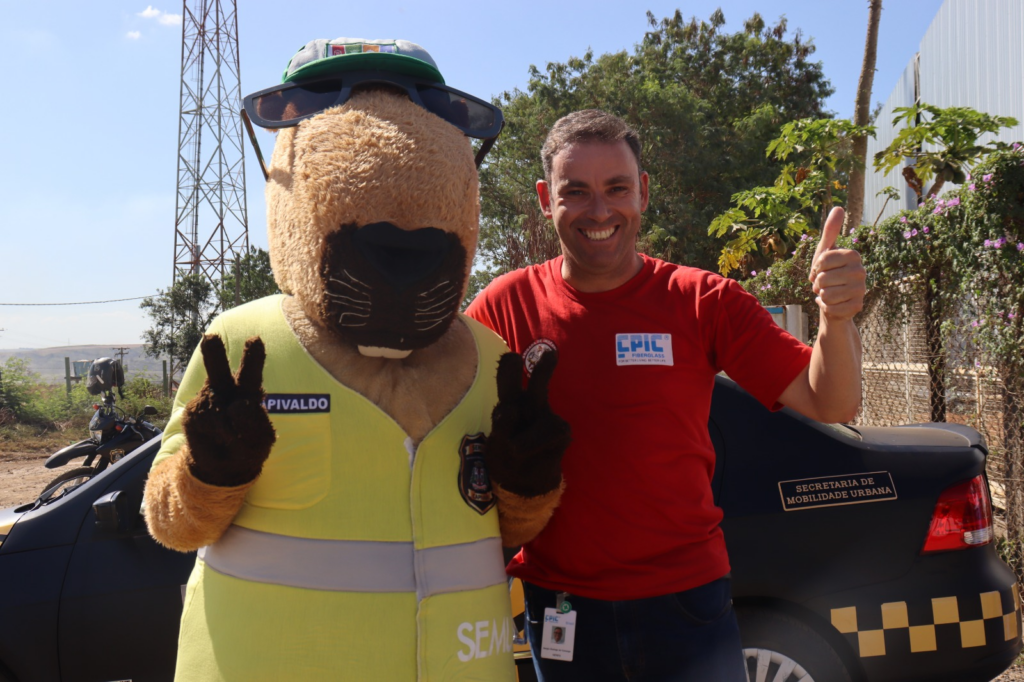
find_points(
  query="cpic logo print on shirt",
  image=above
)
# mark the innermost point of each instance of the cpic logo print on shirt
(643, 349)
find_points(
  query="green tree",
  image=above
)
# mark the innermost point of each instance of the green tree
(943, 144)
(249, 278)
(705, 103)
(766, 223)
(179, 316)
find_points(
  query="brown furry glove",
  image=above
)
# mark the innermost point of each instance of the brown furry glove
(228, 431)
(527, 441)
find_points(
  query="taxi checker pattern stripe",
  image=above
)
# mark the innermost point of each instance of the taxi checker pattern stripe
(997, 606)
(355, 565)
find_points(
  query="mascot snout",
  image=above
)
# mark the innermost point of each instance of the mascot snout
(385, 287)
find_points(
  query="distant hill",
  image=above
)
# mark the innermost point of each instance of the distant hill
(49, 362)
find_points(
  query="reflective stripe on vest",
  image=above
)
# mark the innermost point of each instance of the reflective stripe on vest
(355, 565)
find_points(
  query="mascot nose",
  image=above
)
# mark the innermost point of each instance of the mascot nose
(402, 257)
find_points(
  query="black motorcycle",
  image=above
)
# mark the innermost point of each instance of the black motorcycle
(114, 433)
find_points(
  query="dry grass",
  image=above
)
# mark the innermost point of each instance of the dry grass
(21, 439)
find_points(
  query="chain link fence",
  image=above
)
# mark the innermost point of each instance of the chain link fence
(913, 372)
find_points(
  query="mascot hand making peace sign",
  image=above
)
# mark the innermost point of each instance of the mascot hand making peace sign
(345, 487)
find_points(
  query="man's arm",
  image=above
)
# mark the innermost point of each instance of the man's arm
(828, 389)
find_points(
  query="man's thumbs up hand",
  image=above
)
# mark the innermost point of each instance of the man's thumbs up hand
(837, 275)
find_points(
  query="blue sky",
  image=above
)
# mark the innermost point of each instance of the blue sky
(90, 118)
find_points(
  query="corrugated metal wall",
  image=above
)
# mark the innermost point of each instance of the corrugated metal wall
(971, 56)
(902, 96)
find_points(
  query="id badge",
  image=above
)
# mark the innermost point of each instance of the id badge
(559, 635)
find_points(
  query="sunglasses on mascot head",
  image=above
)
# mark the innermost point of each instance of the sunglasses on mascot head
(289, 104)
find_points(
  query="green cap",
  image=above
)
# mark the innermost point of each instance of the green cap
(322, 57)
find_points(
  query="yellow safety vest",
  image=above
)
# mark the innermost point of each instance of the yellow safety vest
(354, 557)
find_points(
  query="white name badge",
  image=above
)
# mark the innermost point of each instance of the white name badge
(643, 349)
(559, 635)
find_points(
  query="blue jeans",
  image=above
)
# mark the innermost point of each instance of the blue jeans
(689, 636)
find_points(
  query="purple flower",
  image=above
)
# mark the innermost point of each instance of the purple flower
(1020, 246)
(1012, 315)
(871, 232)
(987, 177)
(974, 323)
(906, 235)
(854, 240)
(903, 219)
(914, 232)
(988, 243)
(803, 237)
(1016, 146)
(1000, 243)
(968, 176)
(753, 273)
(971, 187)
(768, 272)
(925, 229)
(938, 210)
(955, 201)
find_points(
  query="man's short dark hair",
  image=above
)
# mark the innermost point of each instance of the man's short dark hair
(589, 125)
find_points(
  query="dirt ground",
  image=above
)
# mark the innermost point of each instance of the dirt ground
(23, 477)
(1014, 674)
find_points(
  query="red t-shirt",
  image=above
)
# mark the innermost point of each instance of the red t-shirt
(636, 367)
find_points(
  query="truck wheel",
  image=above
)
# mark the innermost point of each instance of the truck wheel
(780, 648)
(66, 481)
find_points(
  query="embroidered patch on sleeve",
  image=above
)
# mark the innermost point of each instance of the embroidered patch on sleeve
(643, 349)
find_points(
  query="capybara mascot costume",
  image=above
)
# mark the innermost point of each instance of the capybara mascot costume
(344, 485)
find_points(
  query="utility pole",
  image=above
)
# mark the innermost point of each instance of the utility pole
(120, 352)
(211, 223)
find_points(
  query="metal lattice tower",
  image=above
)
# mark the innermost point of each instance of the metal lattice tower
(211, 220)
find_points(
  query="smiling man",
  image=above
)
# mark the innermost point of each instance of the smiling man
(635, 547)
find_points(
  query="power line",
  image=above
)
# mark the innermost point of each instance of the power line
(112, 300)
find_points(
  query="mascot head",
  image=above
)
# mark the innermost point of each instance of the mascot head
(372, 191)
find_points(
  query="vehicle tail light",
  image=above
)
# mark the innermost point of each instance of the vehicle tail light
(962, 518)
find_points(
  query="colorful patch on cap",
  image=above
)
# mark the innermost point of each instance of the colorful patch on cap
(353, 49)
(388, 48)
(371, 48)
(337, 49)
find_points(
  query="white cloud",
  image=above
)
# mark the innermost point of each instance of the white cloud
(133, 35)
(164, 18)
